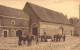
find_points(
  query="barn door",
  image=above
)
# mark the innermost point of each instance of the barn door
(18, 32)
(34, 31)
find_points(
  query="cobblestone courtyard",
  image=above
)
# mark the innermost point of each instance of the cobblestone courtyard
(10, 43)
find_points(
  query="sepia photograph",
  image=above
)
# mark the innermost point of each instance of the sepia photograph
(39, 25)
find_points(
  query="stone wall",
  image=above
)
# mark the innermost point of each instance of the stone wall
(6, 21)
(32, 16)
(11, 32)
(6, 25)
(53, 28)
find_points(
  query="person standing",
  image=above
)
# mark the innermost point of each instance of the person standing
(64, 37)
(54, 37)
(37, 40)
(20, 39)
(45, 39)
(29, 40)
(57, 38)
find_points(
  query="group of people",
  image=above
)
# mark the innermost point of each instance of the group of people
(57, 38)
(54, 38)
(30, 38)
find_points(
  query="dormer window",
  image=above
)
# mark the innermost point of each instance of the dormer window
(12, 22)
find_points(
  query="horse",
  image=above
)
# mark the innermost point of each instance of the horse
(27, 38)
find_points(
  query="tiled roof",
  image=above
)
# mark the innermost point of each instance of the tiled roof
(48, 15)
(12, 12)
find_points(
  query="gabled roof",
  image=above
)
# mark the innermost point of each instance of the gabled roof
(12, 12)
(48, 15)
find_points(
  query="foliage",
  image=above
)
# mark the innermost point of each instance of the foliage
(73, 20)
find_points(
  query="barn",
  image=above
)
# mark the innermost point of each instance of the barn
(43, 20)
(13, 22)
(33, 19)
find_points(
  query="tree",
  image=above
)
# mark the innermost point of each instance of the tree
(75, 22)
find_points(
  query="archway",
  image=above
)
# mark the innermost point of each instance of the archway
(18, 32)
(35, 29)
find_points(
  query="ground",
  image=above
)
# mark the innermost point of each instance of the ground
(11, 43)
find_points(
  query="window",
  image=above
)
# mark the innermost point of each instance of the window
(5, 33)
(12, 22)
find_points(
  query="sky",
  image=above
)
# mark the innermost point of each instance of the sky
(67, 7)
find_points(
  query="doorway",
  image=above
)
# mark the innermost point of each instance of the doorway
(18, 32)
(34, 31)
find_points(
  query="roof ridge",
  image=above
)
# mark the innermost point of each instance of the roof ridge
(44, 7)
(52, 15)
(33, 10)
(12, 12)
